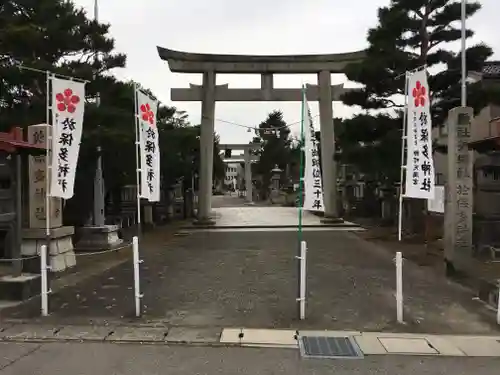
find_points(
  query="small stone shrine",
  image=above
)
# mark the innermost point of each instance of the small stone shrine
(16, 283)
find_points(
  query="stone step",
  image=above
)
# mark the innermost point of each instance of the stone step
(19, 288)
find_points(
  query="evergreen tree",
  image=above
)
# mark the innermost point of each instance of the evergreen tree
(49, 35)
(410, 34)
(274, 136)
(56, 36)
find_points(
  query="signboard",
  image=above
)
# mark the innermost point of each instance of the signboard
(437, 204)
(37, 169)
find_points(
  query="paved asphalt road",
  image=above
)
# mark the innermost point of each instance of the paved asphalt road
(112, 359)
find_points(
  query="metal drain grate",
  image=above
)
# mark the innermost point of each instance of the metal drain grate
(329, 347)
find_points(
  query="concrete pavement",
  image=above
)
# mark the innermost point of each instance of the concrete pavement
(98, 358)
(367, 343)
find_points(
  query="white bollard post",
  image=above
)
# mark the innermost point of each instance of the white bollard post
(44, 280)
(137, 285)
(303, 278)
(399, 286)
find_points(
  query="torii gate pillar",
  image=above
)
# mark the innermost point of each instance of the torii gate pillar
(328, 163)
(206, 148)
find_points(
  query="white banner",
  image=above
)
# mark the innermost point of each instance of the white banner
(313, 186)
(148, 143)
(419, 161)
(68, 103)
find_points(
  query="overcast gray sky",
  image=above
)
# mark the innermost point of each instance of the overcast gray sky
(247, 27)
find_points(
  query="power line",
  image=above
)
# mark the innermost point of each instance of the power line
(254, 127)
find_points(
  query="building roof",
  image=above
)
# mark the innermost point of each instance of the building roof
(13, 142)
(491, 69)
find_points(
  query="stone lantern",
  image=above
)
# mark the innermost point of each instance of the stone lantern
(276, 177)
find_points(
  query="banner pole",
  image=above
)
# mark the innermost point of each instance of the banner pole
(399, 287)
(301, 204)
(48, 167)
(403, 166)
(137, 162)
(45, 258)
(303, 279)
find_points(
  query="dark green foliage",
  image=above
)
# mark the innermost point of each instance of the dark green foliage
(56, 36)
(274, 135)
(409, 34)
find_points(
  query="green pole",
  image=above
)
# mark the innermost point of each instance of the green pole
(301, 167)
(301, 199)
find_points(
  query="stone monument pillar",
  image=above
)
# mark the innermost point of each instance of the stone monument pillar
(148, 215)
(61, 253)
(328, 163)
(248, 176)
(459, 202)
(206, 148)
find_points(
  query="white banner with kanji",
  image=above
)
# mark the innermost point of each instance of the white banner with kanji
(68, 103)
(419, 162)
(313, 186)
(149, 149)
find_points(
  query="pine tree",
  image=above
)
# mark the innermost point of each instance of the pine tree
(49, 35)
(410, 34)
(274, 136)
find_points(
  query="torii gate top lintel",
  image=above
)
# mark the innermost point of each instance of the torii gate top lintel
(187, 62)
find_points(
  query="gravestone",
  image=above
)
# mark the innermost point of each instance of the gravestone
(61, 252)
(459, 190)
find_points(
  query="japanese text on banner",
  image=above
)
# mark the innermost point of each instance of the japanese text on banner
(313, 200)
(67, 124)
(149, 149)
(419, 163)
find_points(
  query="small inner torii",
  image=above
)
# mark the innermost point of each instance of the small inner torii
(209, 93)
(248, 159)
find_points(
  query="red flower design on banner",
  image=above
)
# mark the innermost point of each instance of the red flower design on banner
(419, 94)
(147, 114)
(67, 101)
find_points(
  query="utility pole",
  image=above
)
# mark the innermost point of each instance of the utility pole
(98, 214)
(98, 235)
(463, 96)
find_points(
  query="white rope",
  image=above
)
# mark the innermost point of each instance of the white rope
(103, 251)
(18, 259)
(7, 260)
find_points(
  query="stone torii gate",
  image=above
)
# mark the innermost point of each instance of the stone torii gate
(248, 158)
(209, 93)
